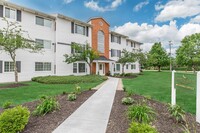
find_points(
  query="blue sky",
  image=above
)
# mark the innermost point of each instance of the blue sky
(143, 20)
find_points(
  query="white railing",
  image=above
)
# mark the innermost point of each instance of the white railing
(173, 94)
(198, 98)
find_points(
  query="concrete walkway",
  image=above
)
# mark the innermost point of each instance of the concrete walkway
(93, 115)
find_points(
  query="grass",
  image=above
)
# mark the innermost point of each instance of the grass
(34, 90)
(158, 86)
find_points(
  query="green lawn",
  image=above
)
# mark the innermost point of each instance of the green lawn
(158, 86)
(34, 90)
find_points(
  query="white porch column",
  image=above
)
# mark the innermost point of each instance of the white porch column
(97, 67)
(198, 98)
(173, 90)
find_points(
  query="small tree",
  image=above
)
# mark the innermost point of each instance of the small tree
(127, 57)
(11, 39)
(189, 53)
(142, 58)
(157, 56)
(82, 53)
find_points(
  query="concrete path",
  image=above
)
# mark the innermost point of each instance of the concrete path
(93, 115)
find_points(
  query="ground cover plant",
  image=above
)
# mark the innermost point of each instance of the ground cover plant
(127, 100)
(141, 128)
(33, 90)
(157, 85)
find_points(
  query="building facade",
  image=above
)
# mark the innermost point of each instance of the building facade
(56, 33)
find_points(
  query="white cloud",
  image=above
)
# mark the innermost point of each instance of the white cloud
(94, 5)
(68, 1)
(195, 19)
(149, 34)
(140, 5)
(177, 9)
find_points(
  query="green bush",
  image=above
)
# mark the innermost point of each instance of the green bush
(141, 113)
(69, 79)
(177, 112)
(71, 97)
(48, 104)
(7, 105)
(127, 100)
(14, 120)
(77, 90)
(141, 128)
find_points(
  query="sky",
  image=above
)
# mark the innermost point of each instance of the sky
(146, 21)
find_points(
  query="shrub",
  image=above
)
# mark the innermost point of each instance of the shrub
(141, 113)
(14, 120)
(64, 92)
(7, 105)
(129, 93)
(177, 112)
(47, 105)
(69, 79)
(141, 128)
(127, 100)
(71, 97)
(124, 88)
(77, 90)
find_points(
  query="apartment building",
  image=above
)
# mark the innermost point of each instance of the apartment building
(56, 33)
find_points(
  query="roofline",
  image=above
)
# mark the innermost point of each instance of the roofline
(112, 32)
(97, 18)
(72, 19)
(134, 41)
(5, 3)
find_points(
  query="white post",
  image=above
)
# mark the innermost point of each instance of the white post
(173, 90)
(198, 98)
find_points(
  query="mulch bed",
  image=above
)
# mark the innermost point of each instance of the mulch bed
(119, 123)
(15, 85)
(47, 123)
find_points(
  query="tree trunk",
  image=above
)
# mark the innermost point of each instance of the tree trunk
(15, 67)
(90, 65)
(123, 68)
(193, 68)
(159, 68)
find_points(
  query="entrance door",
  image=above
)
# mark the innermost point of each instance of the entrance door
(101, 69)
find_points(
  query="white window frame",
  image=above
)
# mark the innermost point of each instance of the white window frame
(49, 25)
(133, 66)
(78, 69)
(44, 67)
(76, 29)
(9, 65)
(43, 44)
(15, 12)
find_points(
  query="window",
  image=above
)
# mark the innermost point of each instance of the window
(74, 50)
(127, 66)
(117, 67)
(74, 67)
(115, 53)
(134, 45)
(81, 67)
(116, 39)
(126, 43)
(101, 41)
(79, 29)
(43, 22)
(10, 13)
(8, 66)
(46, 44)
(133, 66)
(42, 66)
(131, 44)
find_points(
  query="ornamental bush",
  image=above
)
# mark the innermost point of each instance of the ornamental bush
(141, 128)
(47, 105)
(127, 100)
(14, 120)
(71, 97)
(7, 105)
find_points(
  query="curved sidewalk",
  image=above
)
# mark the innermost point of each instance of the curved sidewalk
(93, 115)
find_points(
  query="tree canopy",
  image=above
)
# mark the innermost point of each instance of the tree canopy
(157, 56)
(188, 54)
(12, 38)
(82, 53)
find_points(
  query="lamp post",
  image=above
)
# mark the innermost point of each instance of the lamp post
(170, 53)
